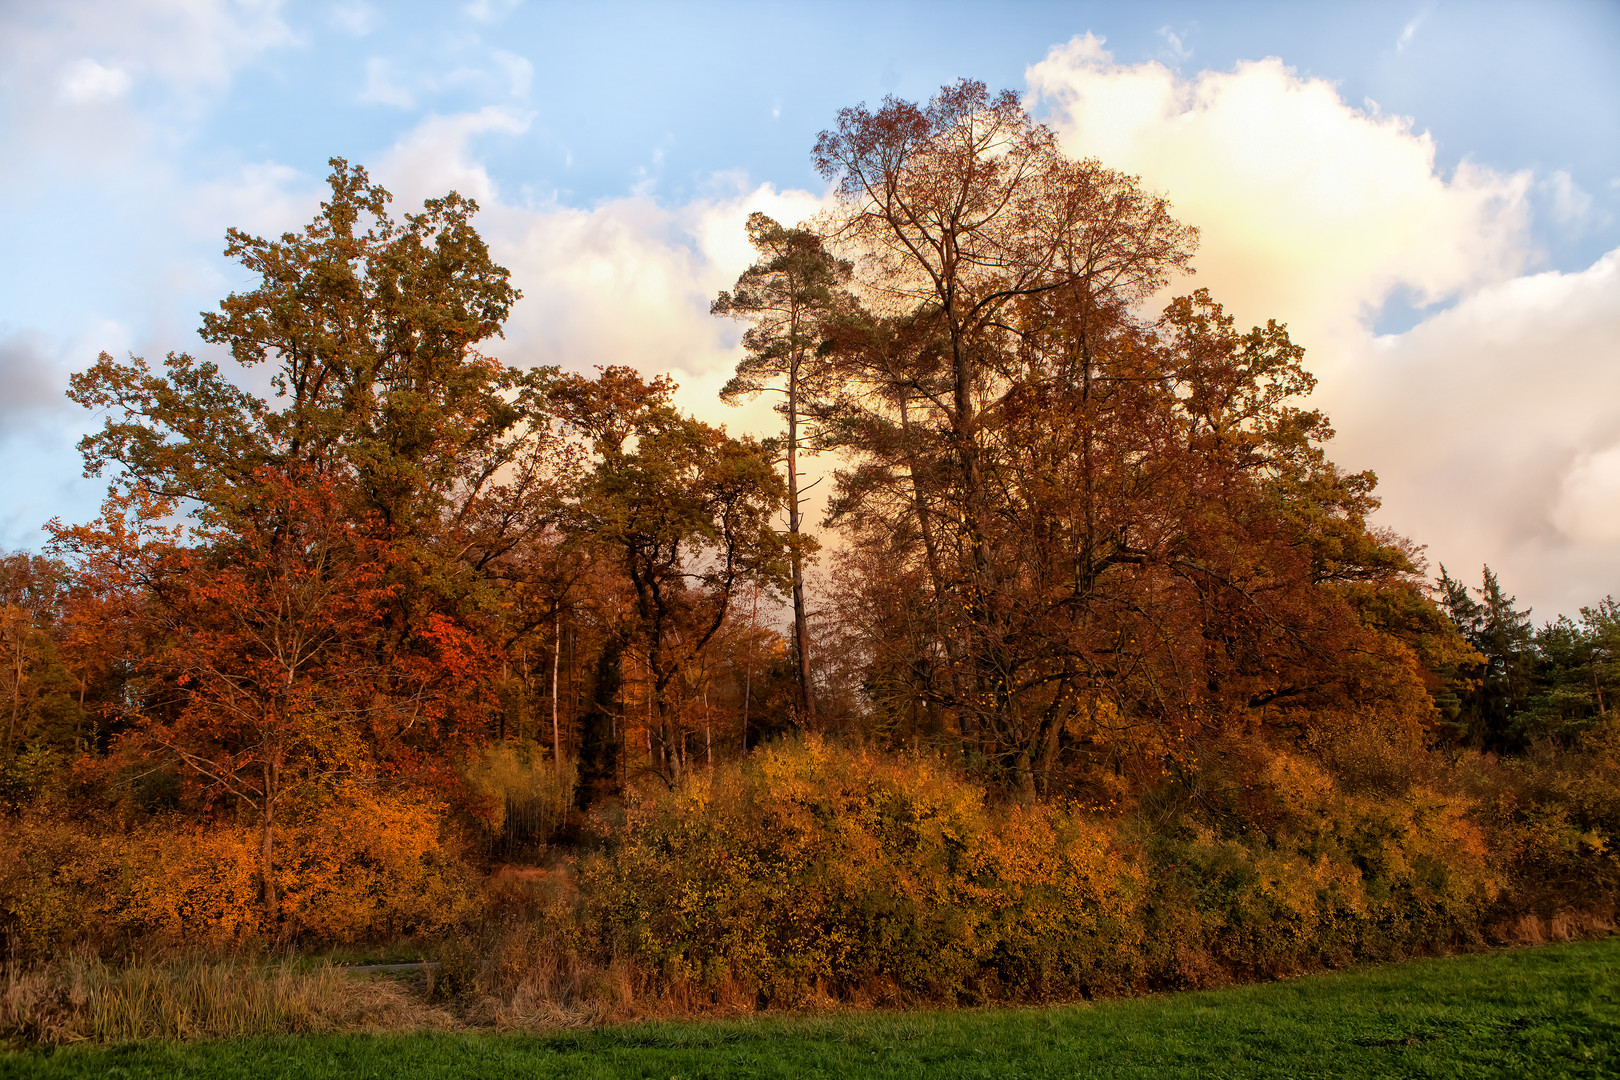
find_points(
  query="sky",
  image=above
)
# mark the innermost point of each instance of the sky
(1427, 194)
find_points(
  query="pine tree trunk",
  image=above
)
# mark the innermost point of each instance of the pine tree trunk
(801, 625)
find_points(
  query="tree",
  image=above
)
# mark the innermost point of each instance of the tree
(373, 326)
(257, 664)
(687, 512)
(787, 295)
(39, 706)
(328, 611)
(1088, 536)
(1500, 680)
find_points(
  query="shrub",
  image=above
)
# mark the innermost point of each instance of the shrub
(359, 867)
(811, 869)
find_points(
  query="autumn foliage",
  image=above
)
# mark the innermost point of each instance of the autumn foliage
(1105, 681)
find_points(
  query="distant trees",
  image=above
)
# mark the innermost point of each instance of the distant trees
(40, 692)
(1526, 683)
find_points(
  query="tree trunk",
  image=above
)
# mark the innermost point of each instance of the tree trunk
(267, 863)
(801, 625)
(748, 668)
(599, 729)
(556, 727)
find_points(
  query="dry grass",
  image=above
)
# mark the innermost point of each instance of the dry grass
(1533, 929)
(84, 1000)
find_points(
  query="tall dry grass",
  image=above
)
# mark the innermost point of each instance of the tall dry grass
(82, 999)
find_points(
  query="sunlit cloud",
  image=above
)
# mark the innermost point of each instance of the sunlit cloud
(1494, 424)
(1311, 210)
(438, 156)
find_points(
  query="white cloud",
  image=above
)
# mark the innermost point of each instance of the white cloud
(187, 46)
(1570, 203)
(1588, 504)
(87, 81)
(1495, 431)
(1311, 211)
(435, 157)
(264, 198)
(177, 56)
(1494, 425)
(630, 282)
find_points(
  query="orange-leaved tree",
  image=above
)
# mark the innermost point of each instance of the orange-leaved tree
(254, 651)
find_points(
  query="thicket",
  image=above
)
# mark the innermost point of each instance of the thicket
(1109, 684)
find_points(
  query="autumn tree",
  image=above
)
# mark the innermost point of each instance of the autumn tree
(955, 214)
(686, 511)
(786, 296)
(311, 583)
(41, 702)
(371, 326)
(254, 661)
(1089, 534)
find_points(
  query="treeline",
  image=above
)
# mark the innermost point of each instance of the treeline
(1105, 680)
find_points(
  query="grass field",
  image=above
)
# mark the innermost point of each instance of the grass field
(1549, 1012)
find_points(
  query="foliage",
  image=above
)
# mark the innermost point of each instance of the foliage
(361, 866)
(817, 870)
(1081, 540)
(528, 796)
(686, 511)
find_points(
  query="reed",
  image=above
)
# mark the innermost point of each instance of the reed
(82, 999)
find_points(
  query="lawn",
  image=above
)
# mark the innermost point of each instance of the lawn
(1548, 1012)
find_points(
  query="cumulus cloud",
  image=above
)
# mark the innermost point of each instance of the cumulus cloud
(1495, 430)
(630, 282)
(72, 68)
(436, 156)
(189, 46)
(1311, 210)
(627, 281)
(1494, 424)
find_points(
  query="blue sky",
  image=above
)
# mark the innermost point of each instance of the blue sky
(1428, 193)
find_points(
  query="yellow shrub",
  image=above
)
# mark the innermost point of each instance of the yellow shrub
(817, 869)
(360, 867)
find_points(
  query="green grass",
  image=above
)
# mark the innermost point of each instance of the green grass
(1548, 1012)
